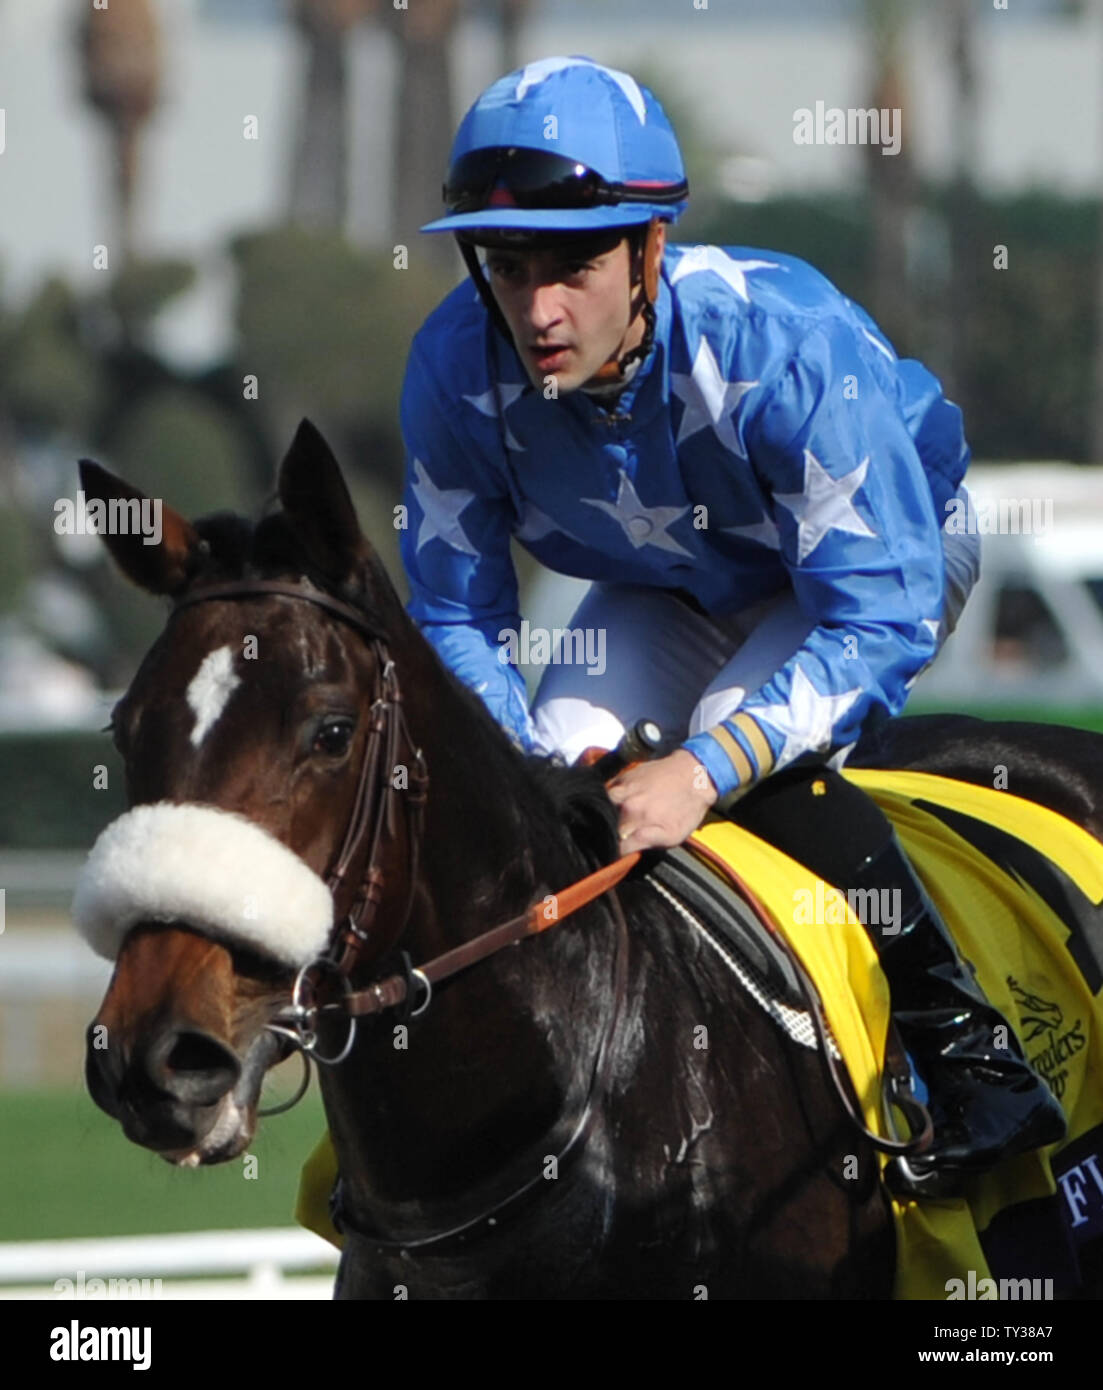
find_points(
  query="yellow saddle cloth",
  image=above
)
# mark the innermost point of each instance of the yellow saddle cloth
(1020, 947)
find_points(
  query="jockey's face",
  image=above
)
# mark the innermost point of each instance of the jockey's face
(569, 308)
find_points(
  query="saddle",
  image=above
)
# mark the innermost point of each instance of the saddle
(1021, 888)
(696, 883)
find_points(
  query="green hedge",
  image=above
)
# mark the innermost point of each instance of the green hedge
(48, 798)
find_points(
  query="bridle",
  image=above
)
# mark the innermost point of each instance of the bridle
(374, 811)
(375, 805)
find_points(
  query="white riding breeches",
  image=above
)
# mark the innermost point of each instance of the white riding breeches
(667, 662)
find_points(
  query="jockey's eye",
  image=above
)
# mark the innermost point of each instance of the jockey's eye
(510, 271)
(334, 736)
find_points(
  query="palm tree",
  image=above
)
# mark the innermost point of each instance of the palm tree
(120, 54)
(1095, 422)
(965, 253)
(423, 121)
(319, 172)
(511, 15)
(891, 178)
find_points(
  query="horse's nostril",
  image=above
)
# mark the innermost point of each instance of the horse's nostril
(196, 1052)
(101, 1075)
(194, 1067)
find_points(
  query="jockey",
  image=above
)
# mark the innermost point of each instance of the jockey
(732, 453)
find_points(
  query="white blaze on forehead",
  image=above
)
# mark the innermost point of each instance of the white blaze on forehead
(210, 689)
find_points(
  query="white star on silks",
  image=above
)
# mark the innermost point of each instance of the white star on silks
(932, 625)
(808, 718)
(709, 399)
(824, 505)
(733, 273)
(487, 404)
(642, 525)
(535, 73)
(441, 509)
(762, 532)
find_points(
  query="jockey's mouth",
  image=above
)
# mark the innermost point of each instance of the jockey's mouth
(549, 355)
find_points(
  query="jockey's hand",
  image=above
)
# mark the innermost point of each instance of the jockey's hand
(661, 802)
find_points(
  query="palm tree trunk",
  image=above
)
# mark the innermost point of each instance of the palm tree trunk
(120, 59)
(891, 177)
(511, 14)
(319, 173)
(967, 256)
(423, 126)
(1095, 423)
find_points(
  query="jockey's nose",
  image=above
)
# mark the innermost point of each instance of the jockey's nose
(544, 310)
(191, 1066)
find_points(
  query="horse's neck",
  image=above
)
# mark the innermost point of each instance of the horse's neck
(489, 841)
(486, 1075)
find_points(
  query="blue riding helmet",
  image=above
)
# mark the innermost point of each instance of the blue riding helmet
(563, 145)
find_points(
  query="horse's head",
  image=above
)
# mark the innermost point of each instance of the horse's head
(258, 765)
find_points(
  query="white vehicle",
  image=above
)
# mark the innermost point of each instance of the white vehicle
(1030, 642)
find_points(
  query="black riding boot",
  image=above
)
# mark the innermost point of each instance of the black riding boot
(986, 1102)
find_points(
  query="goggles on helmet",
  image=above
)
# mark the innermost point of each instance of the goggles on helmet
(511, 176)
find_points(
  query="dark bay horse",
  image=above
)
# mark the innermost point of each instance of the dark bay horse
(567, 1069)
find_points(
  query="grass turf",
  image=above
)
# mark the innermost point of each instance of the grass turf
(66, 1169)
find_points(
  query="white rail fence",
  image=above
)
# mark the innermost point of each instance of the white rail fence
(193, 1265)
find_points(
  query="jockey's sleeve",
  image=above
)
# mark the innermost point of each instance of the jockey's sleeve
(859, 536)
(454, 540)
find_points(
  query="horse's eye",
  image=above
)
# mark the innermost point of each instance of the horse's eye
(334, 737)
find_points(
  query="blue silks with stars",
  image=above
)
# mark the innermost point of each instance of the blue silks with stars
(771, 438)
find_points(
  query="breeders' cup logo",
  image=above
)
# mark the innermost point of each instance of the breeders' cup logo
(1042, 1023)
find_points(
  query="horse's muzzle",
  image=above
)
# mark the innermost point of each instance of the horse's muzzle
(166, 1093)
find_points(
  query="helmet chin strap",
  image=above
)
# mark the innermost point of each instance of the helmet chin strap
(486, 294)
(645, 270)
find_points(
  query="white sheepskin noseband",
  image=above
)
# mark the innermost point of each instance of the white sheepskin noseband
(209, 869)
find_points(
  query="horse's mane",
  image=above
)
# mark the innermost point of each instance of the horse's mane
(571, 798)
(237, 548)
(578, 801)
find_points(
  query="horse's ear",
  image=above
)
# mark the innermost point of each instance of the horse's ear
(317, 503)
(161, 558)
